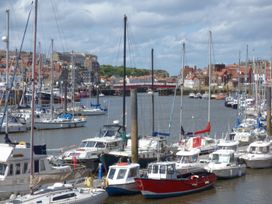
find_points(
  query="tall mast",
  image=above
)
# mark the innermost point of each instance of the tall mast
(33, 93)
(52, 81)
(7, 63)
(124, 77)
(152, 87)
(39, 73)
(247, 70)
(181, 83)
(73, 83)
(210, 67)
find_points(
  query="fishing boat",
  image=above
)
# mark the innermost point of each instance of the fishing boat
(120, 179)
(258, 155)
(225, 165)
(162, 180)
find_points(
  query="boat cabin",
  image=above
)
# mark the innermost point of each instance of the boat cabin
(185, 157)
(228, 144)
(222, 156)
(112, 130)
(162, 170)
(260, 147)
(123, 172)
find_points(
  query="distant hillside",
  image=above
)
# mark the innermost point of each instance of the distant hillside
(109, 70)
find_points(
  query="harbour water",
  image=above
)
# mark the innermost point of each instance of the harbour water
(253, 188)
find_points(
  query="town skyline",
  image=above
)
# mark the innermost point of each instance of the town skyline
(96, 27)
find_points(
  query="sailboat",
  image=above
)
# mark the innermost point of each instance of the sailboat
(9, 123)
(206, 144)
(59, 192)
(151, 148)
(62, 120)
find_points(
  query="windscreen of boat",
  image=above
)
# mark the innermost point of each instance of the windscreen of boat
(87, 144)
(222, 158)
(133, 172)
(121, 173)
(2, 169)
(100, 145)
(111, 173)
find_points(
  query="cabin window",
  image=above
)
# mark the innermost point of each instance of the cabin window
(149, 169)
(252, 149)
(65, 196)
(42, 165)
(100, 145)
(132, 172)
(121, 173)
(11, 169)
(36, 166)
(25, 168)
(231, 158)
(110, 133)
(111, 173)
(2, 169)
(17, 168)
(170, 169)
(162, 169)
(194, 158)
(155, 169)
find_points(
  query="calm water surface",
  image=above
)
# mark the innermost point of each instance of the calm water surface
(253, 188)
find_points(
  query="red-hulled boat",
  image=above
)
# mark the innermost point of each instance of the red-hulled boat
(163, 181)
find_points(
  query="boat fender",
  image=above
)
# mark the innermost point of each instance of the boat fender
(22, 143)
(89, 182)
(105, 182)
(194, 177)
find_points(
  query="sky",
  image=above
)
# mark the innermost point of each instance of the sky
(96, 26)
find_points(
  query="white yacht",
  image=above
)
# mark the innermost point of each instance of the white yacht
(14, 125)
(15, 169)
(225, 165)
(188, 161)
(62, 193)
(258, 155)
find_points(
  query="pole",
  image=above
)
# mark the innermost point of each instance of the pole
(40, 80)
(33, 95)
(134, 126)
(152, 87)
(210, 67)
(268, 117)
(7, 65)
(124, 77)
(52, 81)
(181, 83)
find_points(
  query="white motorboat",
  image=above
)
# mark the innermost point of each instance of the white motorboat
(243, 135)
(225, 165)
(228, 145)
(89, 151)
(258, 155)
(191, 95)
(15, 169)
(188, 161)
(120, 179)
(63, 193)
(203, 143)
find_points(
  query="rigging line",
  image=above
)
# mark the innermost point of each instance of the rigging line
(172, 110)
(15, 22)
(59, 28)
(131, 46)
(16, 67)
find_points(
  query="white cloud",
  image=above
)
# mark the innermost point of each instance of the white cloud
(97, 26)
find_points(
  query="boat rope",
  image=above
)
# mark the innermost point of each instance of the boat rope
(18, 55)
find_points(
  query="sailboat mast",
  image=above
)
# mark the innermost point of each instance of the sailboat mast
(152, 87)
(73, 83)
(7, 64)
(33, 93)
(124, 77)
(52, 81)
(181, 83)
(247, 72)
(210, 67)
(39, 73)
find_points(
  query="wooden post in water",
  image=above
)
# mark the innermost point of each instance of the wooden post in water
(134, 126)
(268, 117)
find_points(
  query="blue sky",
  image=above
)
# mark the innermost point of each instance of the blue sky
(96, 26)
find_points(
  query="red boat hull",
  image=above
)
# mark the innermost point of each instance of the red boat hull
(162, 188)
